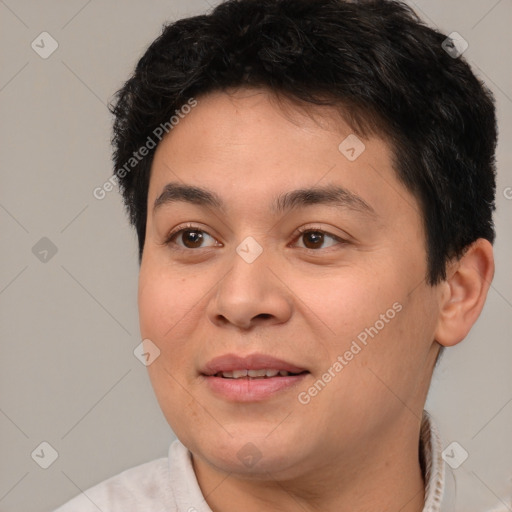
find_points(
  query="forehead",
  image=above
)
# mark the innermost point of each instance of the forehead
(247, 144)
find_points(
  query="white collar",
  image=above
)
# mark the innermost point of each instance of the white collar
(440, 487)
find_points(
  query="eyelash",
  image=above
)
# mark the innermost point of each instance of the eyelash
(169, 241)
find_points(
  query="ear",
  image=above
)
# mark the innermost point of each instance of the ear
(464, 291)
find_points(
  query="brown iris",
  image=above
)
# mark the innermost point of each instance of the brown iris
(192, 238)
(313, 239)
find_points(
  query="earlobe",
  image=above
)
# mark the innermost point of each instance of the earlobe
(463, 293)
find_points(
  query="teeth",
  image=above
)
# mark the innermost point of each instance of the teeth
(240, 374)
(257, 373)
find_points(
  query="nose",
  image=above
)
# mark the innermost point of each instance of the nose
(250, 294)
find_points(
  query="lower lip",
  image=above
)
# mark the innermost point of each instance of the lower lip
(252, 390)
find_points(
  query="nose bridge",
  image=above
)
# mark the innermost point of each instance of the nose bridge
(249, 293)
(249, 273)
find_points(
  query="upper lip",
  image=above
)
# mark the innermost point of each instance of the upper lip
(230, 362)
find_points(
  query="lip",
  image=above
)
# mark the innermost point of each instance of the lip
(230, 362)
(245, 389)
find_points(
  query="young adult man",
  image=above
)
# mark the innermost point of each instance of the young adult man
(312, 188)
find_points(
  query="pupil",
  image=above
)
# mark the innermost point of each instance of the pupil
(315, 237)
(192, 238)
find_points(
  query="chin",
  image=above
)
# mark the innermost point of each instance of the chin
(251, 457)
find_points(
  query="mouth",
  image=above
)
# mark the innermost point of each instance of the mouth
(252, 378)
(265, 373)
(233, 366)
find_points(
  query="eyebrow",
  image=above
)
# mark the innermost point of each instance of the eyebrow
(328, 194)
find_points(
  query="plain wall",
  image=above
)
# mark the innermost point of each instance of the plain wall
(69, 325)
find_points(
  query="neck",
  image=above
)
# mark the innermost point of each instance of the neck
(385, 476)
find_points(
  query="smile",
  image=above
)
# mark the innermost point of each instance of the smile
(254, 374)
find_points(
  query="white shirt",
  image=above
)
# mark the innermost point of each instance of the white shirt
(169, 484)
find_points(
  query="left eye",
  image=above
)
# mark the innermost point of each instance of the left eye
(190, 238)
(314, 239)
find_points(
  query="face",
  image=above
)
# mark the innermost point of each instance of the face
(301, 253)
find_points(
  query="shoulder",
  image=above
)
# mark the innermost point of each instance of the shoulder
(145, 487)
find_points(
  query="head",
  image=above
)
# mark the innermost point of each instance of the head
(341, 147)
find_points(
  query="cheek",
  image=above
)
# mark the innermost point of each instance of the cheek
(162, 304)
(348, 303)
(170, 310)
(154, 306)
(374, 314)
(163, 301)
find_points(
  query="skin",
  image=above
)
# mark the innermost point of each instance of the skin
(354, 446)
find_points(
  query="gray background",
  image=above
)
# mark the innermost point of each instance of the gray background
(69, 325)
